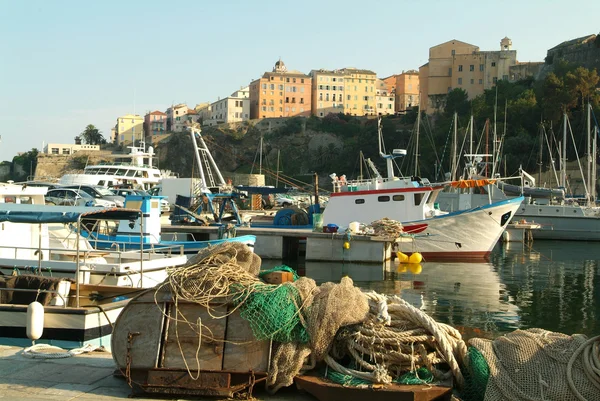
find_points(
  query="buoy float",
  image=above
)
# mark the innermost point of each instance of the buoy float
(415, 268)
(401, 268)
(346, 245)
(416, 257)
(35, 321)
(402, 257)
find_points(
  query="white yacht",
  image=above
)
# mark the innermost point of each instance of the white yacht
(137, 172)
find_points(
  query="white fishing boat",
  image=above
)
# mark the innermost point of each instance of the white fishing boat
(137, 171)
(471, 233)
(81, 289)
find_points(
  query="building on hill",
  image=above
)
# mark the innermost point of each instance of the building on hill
(405, 88)
(280, 93)
(177, 117)
(155, 123)
(359, 91)
(233, 108)
(64, 149)
(384, 99)
(327, 92)
(456, 64)
(583, 51)
(129, 128)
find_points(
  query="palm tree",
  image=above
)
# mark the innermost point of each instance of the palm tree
(92, 136)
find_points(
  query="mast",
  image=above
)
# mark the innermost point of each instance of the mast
(563, 164)
(277, 175)
(589, 154)
(454, 147)
(260, 155)
(471, 136)
(540, 163)
(495, 135)
(360, 162)
(594, 167)
(487, 149)
(417, 143)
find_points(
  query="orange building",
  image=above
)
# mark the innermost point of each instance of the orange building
(280, 93)
(405, 88)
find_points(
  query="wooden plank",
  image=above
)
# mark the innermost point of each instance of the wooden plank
(182, 339)
(182, 379)
(145, 319)
(242, 352)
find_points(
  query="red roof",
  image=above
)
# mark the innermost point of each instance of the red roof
(157, 113)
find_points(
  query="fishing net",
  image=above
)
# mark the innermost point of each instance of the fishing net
(536, 364)
(386, 227)
(476, 372)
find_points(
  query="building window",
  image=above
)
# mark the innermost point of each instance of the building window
(264, 86)
(472, 67)
(294, 80)
(287, 99)
(480, 81)
(472, 81)
(460, 81)
(495, 79)
(287, 80)
(293, 100)
(320, 87)
(493, 63)
(54, 151)
(280, 87)
(264, 108)
(449, 72)
(301, 100)
(480, 67)
(349, 98)
(320, 96)
(505, 77)
(301, 80)
(453, 52)
(460, 68)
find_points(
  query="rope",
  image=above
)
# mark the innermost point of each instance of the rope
(46, 351)
(591, 364)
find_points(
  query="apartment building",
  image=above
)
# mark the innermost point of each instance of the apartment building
(359, 91)
(129, 128)
(155, 123)
(177, 116)
(405, 88)
(384, 99)
(233, 108)
(280, 93)
(327, 92)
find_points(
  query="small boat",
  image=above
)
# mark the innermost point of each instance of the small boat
(145, 232)
(465, 234)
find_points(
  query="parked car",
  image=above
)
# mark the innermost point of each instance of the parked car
(74, 197)
(98, 192)
(164, 204)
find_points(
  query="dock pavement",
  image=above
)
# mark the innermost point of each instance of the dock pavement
(87, 377)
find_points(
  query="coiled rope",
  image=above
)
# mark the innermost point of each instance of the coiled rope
(46, 351)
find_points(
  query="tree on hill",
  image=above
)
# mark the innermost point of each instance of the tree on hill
(92, 136)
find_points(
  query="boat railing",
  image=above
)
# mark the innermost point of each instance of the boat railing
(64, 301)
(50, 251)
(366, 184)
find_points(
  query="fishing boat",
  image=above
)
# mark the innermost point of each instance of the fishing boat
(82, 290)
(464, 234)
(144, 232)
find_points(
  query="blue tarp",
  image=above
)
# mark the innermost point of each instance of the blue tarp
(23, 213)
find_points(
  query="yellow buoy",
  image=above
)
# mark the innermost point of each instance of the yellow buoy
(402, 257)
(346, 245)
(415, 268)
(416, 257)
(401, 269)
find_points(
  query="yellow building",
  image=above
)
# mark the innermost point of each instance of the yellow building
(129, 128)
(457, 64)
(359, 91)
(280, 93)
(327, 92)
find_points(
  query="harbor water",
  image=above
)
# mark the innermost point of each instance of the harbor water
(550, 285)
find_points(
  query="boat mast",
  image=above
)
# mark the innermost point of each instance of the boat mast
(495, 135)
(454, 147)
(563, 164)
(594, 167)
(540, 163)
(277, 176)
(589, 154)
(417, 143)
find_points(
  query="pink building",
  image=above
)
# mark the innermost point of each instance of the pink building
(155, 123)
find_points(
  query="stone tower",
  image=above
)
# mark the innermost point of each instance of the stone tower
(505, 44)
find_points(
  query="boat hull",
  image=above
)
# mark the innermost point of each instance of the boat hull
(560, 222)
(469, 234)
(189, 247)
(63, 327)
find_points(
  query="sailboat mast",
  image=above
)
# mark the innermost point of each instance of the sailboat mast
(260, 155)
(487, 133)
(594, 167)
(454, 147)
(495, 135)
(540, 163)
(417, 142)
(277, 176)
(563, 164)
(589, 154)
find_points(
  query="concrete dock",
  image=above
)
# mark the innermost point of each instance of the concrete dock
(87, 377)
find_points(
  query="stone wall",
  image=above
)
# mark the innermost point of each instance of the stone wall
(52, 167)
(583, 52)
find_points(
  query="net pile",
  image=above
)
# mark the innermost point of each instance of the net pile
(536, 364)
(386, 227)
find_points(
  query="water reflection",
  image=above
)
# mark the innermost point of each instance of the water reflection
(553, 285)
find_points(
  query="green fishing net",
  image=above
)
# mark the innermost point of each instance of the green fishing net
(420, 376)
(273, 312)
(476, 373)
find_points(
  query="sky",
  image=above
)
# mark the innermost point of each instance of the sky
(66, 64)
